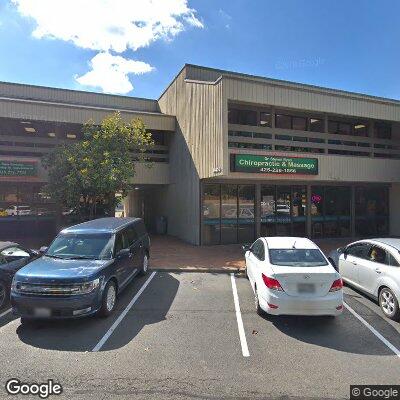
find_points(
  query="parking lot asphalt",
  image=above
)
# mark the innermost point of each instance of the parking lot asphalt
(178, 338)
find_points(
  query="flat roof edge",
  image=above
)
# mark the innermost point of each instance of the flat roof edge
(76, 91)
(298, 85)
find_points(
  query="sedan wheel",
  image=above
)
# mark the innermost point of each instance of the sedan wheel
(3, 294)
(389, 304)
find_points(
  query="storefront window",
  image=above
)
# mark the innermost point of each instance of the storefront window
(268, 211)
(283, 214)
(25, 211)
(330, 211)
(229, 214)
(246, 218)
(317, 211)
(283, 210)
(299, 210)
(372, 211)
(211, 214)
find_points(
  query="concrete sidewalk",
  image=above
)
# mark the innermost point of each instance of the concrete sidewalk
(170, 253)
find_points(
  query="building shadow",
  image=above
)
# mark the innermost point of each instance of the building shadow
(343, 333)
(6, 316)
(82, 335)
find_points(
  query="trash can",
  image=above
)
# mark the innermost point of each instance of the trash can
(161, 225)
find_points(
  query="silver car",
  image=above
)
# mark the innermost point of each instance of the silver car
(372, 266)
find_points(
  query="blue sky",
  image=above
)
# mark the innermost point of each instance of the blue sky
(350, 45)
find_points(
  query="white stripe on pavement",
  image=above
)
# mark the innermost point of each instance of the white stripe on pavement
(123, 314)
(5, 312)
(374, 331)
(242, 335)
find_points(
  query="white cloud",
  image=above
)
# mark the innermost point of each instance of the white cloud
(110, 73)
(108, 25)
(225, 18)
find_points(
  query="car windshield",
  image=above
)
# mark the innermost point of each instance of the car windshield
(82, 246)
(297, 257)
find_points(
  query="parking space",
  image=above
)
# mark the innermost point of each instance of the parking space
(178, 338)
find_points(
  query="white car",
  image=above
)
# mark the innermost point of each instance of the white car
(18, 210)
(291, 276)
(373, 266)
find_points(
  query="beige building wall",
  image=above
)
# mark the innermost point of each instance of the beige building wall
(58, 112)
(196, 150)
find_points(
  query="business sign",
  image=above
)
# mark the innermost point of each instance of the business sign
(274, 164)
(17, 168)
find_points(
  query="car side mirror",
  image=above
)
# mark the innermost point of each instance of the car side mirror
(123, 253)
(43, 249)
(246, 247)
(341, 250)
(34, 253)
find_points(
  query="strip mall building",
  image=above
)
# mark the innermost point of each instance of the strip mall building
(236, 156)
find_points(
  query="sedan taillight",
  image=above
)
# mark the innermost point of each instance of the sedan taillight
(271, 283)
(336, 285)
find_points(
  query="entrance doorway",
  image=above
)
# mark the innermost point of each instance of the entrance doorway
(283, 210)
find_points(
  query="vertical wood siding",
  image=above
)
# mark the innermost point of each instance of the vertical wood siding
(310, 99)
(63, 113)
(199, 114)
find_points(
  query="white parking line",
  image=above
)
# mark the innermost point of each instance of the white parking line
(374, 331)
(242, 335)
(123, 314)
(5, 312)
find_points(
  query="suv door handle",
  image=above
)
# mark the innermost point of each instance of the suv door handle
(354, 262)
(378, 271)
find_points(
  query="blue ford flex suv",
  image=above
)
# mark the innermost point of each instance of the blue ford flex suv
(83, 270)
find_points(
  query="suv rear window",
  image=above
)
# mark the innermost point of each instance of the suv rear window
(297, 257)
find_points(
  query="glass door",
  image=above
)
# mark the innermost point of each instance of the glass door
(246, 218)
(267, 214)
(229, 214)
(283, 211)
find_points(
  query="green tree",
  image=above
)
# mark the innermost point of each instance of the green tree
(89, 172)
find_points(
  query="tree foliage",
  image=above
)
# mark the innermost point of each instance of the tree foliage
(93, 170)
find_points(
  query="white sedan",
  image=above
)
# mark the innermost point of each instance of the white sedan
(291, 276)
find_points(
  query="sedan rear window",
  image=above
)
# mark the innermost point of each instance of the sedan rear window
(297, 257)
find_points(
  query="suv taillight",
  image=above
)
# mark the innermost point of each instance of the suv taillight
(271, 283)
(336, 285)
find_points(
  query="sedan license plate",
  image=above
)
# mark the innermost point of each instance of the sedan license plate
(306, 288)
(41, 312)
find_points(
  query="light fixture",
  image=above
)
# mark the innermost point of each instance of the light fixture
(359, 126)
(25, 122)
(51, 134)
(30, 130)
(71, 136)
